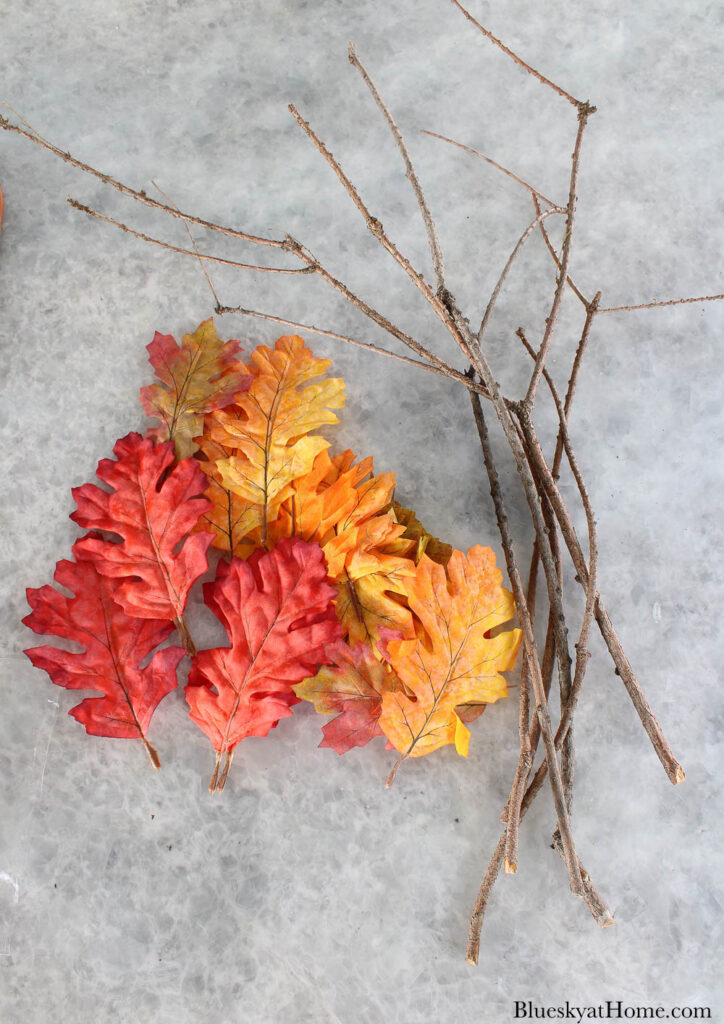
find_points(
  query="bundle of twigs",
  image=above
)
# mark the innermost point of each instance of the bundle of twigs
(551, 519)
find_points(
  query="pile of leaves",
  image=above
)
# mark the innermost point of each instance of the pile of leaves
(330, 591)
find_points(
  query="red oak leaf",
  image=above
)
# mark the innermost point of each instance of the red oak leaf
(277, 610)
(114, 645)
(350, 687)
(152, 507)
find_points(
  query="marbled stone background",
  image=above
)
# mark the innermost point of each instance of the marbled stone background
(307, 893)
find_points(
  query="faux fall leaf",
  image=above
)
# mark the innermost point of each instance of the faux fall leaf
(372, 584)
(114, 646)
(337, 505)
(351, 688)
(455, 662)
(425, 543)
(271, 423)
(322, 501)
(200, 374)
(277, 611)
(152, 506)
(234, 522)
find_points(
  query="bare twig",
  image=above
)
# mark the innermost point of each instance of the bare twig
(666, 302)
(511, 260)
(186, 252)
(518, 60)
(381, 320)
(525, 759)
(556, 260)
(584, 113)
(139, 195)
(591, 310)
(194, 246)
(487, 159)
(434, 241)
(549, 648)
(442, 370)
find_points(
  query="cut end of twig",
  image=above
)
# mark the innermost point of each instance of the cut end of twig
(472, 959)
(679, 775)
(605, 920)
(510, 866)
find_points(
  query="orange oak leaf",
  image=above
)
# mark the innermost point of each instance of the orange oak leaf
(321, 501)
(200, 374)
(455, 661)
(351, 688)
(366, 551)
(152, 506)
(270, 426)
(276, 608)
(328, 502)
(114, 647)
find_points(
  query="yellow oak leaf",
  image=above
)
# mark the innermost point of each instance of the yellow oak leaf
(455, 661)
(231, 518)
(263, 471)
(195, 377)
(372, 582)
(270, 424)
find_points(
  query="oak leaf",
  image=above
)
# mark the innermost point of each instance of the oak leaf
(351, 688)
(270, 425)
(372, 585)
(425, 543)
(114, 647)
(276, 608)
(233, 521)
(200, 374)
(454, 661)
(321, 501)
(152, 506)
(365, 548)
